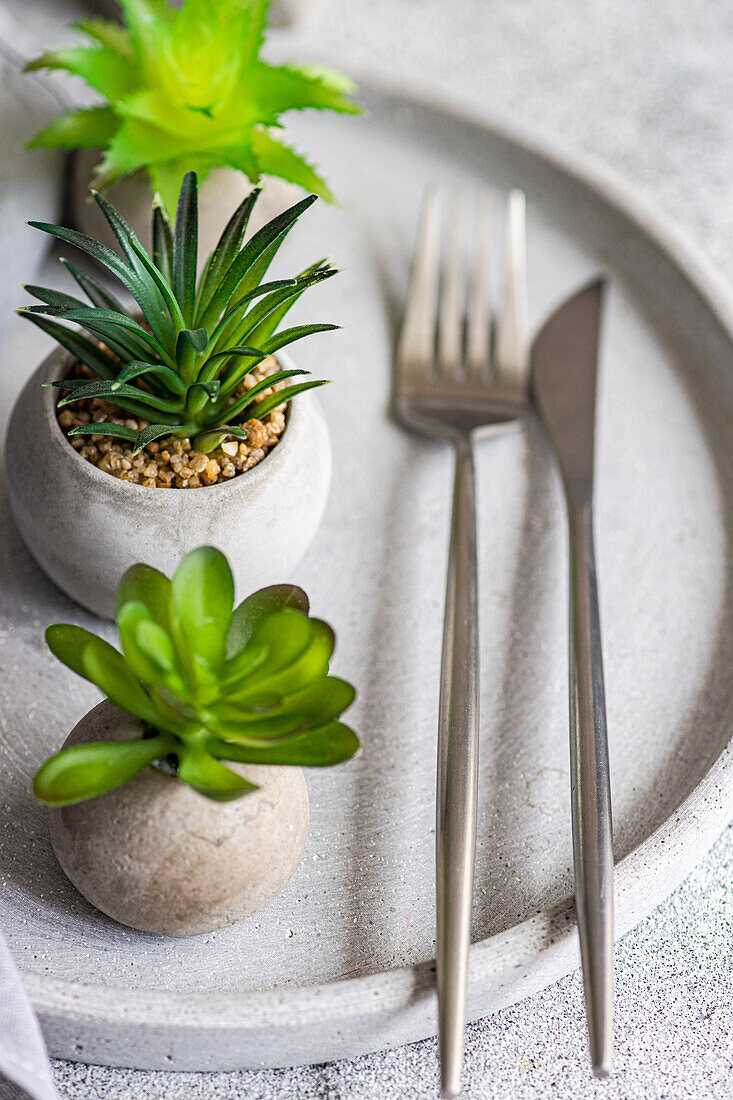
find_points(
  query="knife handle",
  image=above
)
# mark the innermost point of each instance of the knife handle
(590, 785)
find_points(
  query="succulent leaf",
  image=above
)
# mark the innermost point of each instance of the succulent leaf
(162, 239)
(156, 431)
(97, 294)
(187, 88)
(215, 683)
(105, 256)
(89, 128)
(116, 391)
(108, 34)
(136, 369)
(276, 399)
(86, 771)
(253, 611)
(209, 777)
(269, 682)
(266, 383)
(226, 249)
(185, 245)
(110, 73)
(149, 587)
(182, 366)
(118, 431)
(321, 747)
(55, 298)
(98, 661)
(203, 600)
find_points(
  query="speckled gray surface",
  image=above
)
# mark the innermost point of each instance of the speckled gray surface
(674, 1036)
(647, 88)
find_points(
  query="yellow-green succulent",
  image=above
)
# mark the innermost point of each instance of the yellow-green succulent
(186, 89)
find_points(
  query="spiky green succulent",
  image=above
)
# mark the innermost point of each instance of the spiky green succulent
(187, 89)
(211, 682)
(183, 367)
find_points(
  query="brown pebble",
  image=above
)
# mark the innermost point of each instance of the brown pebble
(172, 462)
(256, 433)
(211, 472)
(105, 463)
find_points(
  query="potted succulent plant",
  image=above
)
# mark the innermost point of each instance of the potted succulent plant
(185, 89)
(188, 396)
(147, 820)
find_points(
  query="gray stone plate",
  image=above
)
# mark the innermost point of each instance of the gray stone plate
(342, 961)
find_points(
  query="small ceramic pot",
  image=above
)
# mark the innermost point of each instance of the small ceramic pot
(85, 527)
(157, 856)
(219, 195)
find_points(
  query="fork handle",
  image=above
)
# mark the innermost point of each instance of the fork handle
(590, 787)
(457, 784)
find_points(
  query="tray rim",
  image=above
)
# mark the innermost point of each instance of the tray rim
(665, 857)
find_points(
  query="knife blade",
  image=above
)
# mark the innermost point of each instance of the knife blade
(564, 372)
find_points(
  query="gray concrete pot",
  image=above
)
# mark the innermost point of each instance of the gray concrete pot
(219, 195)
(85, 527)
(157, 856)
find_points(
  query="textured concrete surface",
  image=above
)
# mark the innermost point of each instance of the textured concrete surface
(647, 88)
(673, 1032)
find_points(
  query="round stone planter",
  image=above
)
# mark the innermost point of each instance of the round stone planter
(158, 856)
(220, 194)
(85, 527)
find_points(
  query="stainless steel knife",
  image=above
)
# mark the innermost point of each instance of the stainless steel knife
(564, 371)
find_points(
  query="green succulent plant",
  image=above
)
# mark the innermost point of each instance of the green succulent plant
(181, 369)
(211, 682)
(187, 89)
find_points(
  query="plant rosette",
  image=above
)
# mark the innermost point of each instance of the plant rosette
(185, 366)
(184, 87)
(178, 804)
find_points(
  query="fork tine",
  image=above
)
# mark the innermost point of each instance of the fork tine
(512, 340)
(450, 327)
(417, 339)
(478, 329)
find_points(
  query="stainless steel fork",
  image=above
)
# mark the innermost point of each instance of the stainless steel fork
(452, 382)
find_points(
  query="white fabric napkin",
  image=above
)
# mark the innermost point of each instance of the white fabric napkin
(24, 1068)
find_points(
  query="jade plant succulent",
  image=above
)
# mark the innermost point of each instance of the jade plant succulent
(182, 366)
(184, 87)
(210, 681)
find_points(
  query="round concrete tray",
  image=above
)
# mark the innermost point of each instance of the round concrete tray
(342, 962)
